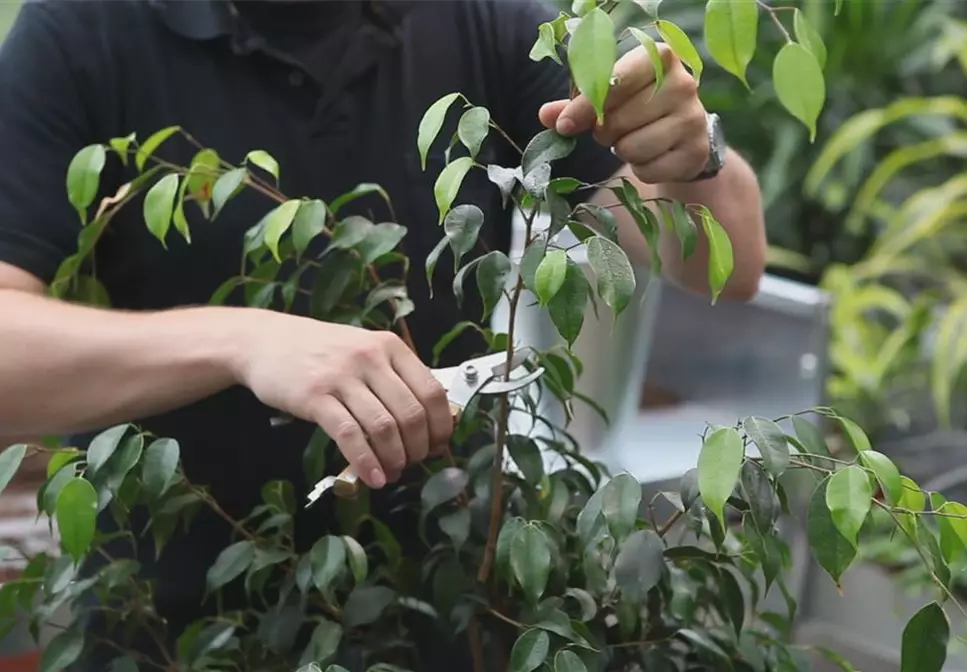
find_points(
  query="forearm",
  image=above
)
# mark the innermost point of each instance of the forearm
(67, 368)
(734, 200)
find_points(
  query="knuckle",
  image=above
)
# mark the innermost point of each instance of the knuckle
(319, 384)
(383, 427)
(413, 417)
(347, 431)
(685, 83)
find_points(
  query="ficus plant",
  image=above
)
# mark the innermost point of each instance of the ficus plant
(527, 566)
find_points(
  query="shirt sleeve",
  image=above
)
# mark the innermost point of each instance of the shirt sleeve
(43, 123)
(534, 83)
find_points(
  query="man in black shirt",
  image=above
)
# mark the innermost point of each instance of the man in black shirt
(335, 91)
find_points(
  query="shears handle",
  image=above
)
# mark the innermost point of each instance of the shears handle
(347, 483)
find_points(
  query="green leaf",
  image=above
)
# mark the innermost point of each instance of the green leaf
(771, 442)
(849, 497)
(505, 541)
(122, 145)
(323, 645)
(265, 161)
(639, 565)
(651, 48)
(568, 661)
(230, 564)
(151, 145)
(203, 172)
(679, 43)
(366, 604)
(809, 37)
(567, 307)
(591, 54)
(473, 129)
(620, 500)
(226, 187)
(834, 552)
(887, 475)
(810, 437)
(531, 259)
(84, 177)
(758, 490)
(912, 499)
(650, 7)
(720, 259)
(493, 271)
(530, 560)
(443, 486)
(328, 557)
(857, 437)
(10, 460)
(546, 147)
(63, 650)
(360, 190)
(546, 44)
(616, 277)
(527, 456)
(102, 447)
(448, 183)
(309, 222)
(530, 650)
(549, 276)
(159, 466)
(718, 469)
(505, 179)
(356, 557)
(731, 27)
(76, 516)
(462, 227)
(431, 123)
(925, 640)
(277, 223)
(799, 84)
(159, 206)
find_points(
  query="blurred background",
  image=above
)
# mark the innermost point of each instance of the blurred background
(865, 306)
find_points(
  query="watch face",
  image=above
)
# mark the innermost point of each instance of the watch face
(716, 137)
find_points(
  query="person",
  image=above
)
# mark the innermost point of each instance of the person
(335, 91)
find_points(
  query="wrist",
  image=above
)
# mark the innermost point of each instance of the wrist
(227, 337)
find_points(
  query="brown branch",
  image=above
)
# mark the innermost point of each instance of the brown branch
(666, 527)
(476, 645)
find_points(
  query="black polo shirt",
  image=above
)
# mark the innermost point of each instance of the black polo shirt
(335, 91)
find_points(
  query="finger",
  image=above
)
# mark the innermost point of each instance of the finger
(336, 421)
(643, 109)
(378, 424)
(549, 112)
(408, 411)
(650, 142)
(431, 395)
(632, 73)
(673, 166)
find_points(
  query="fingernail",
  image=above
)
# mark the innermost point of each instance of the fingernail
(565, 126)
(377, 478)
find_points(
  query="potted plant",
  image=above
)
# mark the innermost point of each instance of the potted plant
(528, 566)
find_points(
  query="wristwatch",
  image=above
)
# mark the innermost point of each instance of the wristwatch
(717, 147)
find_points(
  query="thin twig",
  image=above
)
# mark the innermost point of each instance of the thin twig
(775, 19)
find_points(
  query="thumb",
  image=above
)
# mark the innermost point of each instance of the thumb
(549, 112)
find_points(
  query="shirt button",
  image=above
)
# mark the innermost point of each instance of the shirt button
(297, 78)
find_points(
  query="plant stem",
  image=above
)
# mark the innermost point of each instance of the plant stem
(775, 19)
(503, 417)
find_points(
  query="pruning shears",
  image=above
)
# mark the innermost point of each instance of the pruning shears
(480, 375)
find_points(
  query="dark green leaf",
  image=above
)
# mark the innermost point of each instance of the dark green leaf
(760, 495)
(531, 260)
(360, 190)
(328, 562)
(568, 661)
(473, 128)
(356, 556)
(366, 604)
(309, 222)
(567, 307)
(832, 550)
(508, 532)
(771, 442)
(530, 559)
(616, 278)
(530, 651)
(925, 639)
(324, 643)
(546, 147)
(462, 227)
(809, 436)
(158, 470)
(527, 456)
(230, 564)
(62, 650)
(456, 525)
(10, 460)
(442, 487)
(493, 271)
(733, 599)
(620, 500)
(639, 565)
